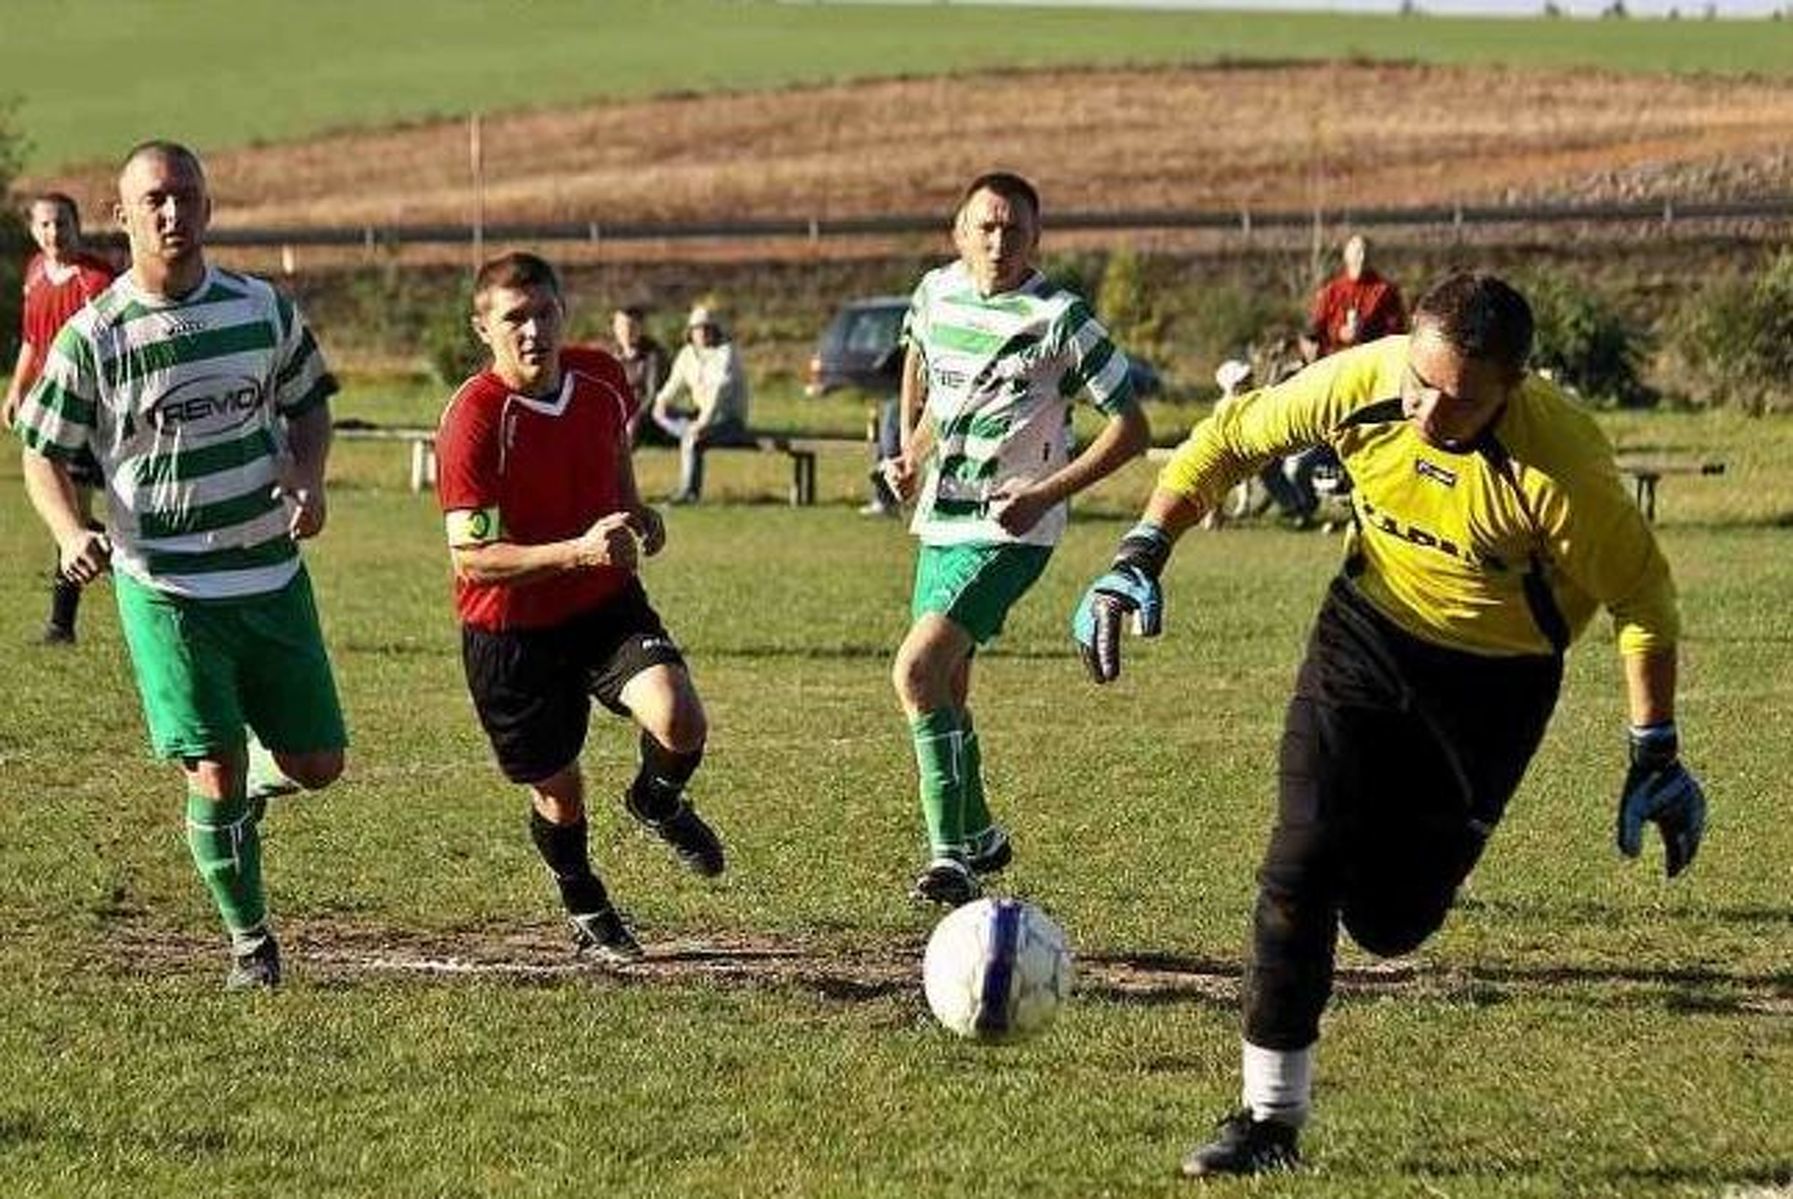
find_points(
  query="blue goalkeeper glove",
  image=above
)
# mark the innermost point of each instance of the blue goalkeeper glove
(1130, 588)
(1660, 790)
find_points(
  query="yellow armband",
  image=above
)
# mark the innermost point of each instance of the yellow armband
(474, 526)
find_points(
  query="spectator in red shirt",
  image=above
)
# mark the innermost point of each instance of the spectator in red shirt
(1354, 307)
(545, 527)
(60, 278)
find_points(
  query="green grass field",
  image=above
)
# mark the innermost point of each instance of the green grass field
(1580, 1027)
(221, 73)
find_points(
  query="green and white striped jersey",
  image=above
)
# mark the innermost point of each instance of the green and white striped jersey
(184, 403)
(1002, 372)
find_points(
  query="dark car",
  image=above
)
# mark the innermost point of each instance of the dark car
(859, 349)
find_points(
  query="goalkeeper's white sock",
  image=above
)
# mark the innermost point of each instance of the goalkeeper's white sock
(1277, 1083)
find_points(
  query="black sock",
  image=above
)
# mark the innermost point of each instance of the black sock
(562, 847)
(654, 795)
(65, 600)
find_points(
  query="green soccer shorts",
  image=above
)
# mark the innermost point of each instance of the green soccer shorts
(207, 668)
(974, 585)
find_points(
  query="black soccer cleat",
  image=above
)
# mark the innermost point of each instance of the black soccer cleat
(993, 851)
(256, 968)
(694, 842)
(56, 634)
(603, 937)
(948, 882)
(1244, 1145)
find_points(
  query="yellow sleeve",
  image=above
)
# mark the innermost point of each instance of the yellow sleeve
(1601, 540)
(1249, 430)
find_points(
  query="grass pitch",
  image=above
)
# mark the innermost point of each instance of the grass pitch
(1580, 1026)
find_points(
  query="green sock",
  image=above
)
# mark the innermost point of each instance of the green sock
(977, 811)
(939, 755)
(227, 850)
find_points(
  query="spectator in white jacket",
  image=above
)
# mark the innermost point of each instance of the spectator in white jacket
(708, 371)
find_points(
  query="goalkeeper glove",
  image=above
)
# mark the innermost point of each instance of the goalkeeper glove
(1660, 790)
(1130, 588)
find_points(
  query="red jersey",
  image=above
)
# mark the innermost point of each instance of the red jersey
(1351, 312)
(549, 469)
(51, 300)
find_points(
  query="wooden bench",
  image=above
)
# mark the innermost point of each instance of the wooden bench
(1646, 473)
(800, 450)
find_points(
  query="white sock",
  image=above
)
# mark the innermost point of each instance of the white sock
(1277, 1084)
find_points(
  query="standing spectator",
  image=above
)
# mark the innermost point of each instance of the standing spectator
(1354, 307)
(545, 526)
(644, 364)
(1491, 526)
(205, 402)
(996, 352)
(708, 369)
(59, 279)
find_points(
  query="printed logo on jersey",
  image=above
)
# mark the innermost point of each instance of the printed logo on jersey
(1435, 472)
(206, 406)
(182, 326)
(1372, 518)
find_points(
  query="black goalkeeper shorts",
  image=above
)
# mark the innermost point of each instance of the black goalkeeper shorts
(533, 687)
(1398, 758)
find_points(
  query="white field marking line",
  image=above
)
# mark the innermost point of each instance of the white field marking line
(764, 963)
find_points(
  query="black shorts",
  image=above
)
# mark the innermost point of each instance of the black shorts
(1398, 758)
(533, 687)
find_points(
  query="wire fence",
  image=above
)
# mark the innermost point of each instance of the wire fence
(1244, 220)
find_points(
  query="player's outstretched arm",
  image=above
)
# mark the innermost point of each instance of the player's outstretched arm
(83, 553)
(1658, 789)
(491, 560)
(1129, 590)
(16, 386)
(301, 481)
(1018, 504)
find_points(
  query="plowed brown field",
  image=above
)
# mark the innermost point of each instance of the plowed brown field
(1264, 137)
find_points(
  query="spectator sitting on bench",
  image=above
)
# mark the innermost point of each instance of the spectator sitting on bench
(708, 369)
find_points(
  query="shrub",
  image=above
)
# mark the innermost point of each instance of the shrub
(1736, 335)
(1584, 342)
(1077, 272)
(1129, 303)
(447, 340)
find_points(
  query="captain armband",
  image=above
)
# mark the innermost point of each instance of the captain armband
(474, 526)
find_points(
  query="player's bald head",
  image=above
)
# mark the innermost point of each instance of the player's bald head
(163, 153)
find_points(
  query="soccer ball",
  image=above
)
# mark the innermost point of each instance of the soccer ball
(996, 970)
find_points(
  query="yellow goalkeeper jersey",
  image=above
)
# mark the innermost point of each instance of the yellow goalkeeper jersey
(1504, 548)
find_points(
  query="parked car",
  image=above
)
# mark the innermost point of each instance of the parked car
(859, 349)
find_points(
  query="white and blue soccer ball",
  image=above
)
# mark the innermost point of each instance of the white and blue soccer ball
(997, 970)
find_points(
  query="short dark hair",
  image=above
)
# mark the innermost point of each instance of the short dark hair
(61, 200)
(634, 312)
(1006, 184)
(163, 149)
(518, 270)
(1482, 316)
